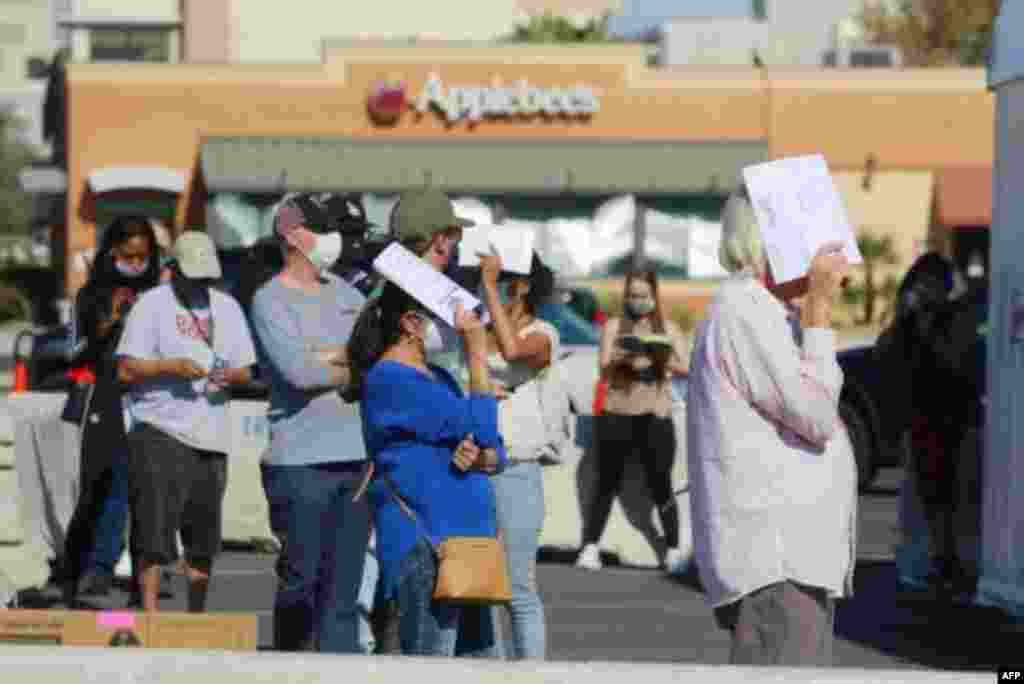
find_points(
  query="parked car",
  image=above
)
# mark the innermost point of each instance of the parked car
(584, 302)
(877, 443)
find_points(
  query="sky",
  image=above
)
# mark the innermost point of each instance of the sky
(641, 14)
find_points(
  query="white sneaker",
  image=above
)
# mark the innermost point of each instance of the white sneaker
(589, 558)
(123, 570)
(676, 563)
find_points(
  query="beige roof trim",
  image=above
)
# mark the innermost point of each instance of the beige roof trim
(161, 178)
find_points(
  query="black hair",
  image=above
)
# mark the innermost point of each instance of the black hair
(926, 285)
(542, 283)
(120, 230)
(377, 329)
(95, 300)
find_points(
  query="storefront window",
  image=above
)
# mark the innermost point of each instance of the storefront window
(130, 44)
(682, 232)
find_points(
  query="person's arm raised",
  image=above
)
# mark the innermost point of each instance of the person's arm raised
(534, 349)
(474, 338)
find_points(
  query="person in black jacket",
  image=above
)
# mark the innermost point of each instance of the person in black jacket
(957, 345)
(125, 265)
(934, 355)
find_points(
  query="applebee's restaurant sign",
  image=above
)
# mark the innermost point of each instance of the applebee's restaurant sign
(473, 103)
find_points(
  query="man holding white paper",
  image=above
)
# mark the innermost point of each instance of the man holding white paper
(773, 481)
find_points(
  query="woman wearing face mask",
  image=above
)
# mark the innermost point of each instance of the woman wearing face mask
(433, 447)
(124, 266)
(303, 317)
(522, 348)
(637, 422)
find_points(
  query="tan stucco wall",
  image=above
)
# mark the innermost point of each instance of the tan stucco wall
(909, 121)
(897, 205)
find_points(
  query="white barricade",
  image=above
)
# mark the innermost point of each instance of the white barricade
(46, 451)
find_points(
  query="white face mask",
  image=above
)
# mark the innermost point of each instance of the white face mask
(432, 340)
(326, 251)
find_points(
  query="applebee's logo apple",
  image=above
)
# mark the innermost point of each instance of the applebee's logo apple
(387, 102)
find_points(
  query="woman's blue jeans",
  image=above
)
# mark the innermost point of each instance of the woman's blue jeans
(520, 494)
(438, 628)
(96, 533)
(113, 521)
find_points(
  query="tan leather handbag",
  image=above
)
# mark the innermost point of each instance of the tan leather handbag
(470, 570)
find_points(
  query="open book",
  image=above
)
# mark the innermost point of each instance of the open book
(798, 210)
(646, 344)
(433, 289)
(513, 245)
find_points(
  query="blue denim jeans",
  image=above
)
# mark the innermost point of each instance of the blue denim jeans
(367, 594)
(324, 535)
(426, 627)
(113, 520)
(96, 534)
(520, 494)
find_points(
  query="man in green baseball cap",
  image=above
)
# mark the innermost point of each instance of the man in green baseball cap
(424, 221)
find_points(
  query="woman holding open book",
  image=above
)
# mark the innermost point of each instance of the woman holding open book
(640, 354)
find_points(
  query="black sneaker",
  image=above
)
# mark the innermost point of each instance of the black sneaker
(69, 593)
(95, 584)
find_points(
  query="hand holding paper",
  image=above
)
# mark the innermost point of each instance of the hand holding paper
(513, 245)
(436, 291)
(491, 265)
(798, 210)
(827, 271)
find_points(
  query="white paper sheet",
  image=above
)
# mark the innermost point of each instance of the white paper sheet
(798, 210)
(514, 246)
(431, 288)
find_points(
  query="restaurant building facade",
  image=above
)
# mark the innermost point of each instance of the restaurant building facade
(546, 134)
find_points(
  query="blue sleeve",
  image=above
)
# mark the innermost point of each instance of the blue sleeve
(403, 405)
(487, 440)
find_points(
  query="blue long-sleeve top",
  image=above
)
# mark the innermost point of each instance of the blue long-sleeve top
(413, 423)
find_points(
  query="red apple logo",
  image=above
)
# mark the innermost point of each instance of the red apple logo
(387, 102)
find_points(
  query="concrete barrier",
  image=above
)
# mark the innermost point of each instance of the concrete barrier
(40, 499)
(45, 665)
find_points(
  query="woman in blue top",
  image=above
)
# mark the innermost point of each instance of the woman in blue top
(434, 448)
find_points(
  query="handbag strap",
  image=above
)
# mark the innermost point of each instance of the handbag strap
(412, 514)
(407, 509)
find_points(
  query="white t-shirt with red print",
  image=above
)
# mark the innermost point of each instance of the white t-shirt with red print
(157, 328)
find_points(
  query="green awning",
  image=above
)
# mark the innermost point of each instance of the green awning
(477, 166)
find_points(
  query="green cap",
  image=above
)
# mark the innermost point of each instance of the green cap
(421, 214)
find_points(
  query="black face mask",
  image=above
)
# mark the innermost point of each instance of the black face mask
(192, 293)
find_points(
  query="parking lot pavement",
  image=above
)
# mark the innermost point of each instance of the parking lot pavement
(627, 614)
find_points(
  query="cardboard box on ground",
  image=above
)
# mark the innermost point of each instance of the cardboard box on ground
(210, 631)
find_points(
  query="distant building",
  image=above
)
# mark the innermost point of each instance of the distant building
(29, 37)
(755, 32)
